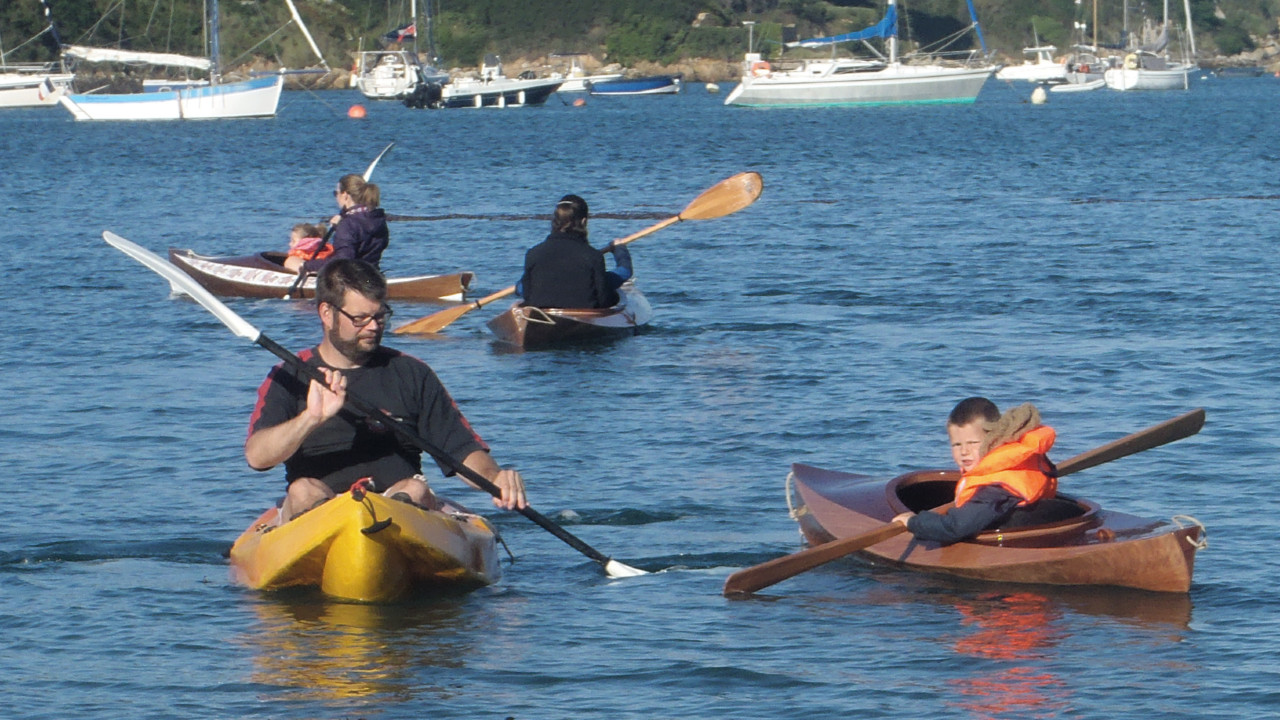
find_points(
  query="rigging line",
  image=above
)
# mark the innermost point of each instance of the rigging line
(151, 18)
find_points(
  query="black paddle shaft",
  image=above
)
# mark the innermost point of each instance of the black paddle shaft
(407, 433)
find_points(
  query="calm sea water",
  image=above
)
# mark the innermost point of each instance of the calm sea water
(1109, 257)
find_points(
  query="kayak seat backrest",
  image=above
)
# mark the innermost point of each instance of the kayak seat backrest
(927, 494)
(1044, 512)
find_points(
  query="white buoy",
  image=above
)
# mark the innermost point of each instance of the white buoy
(713, 88)
(1039, 96)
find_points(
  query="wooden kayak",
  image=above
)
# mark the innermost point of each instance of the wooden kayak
(370, 550)
(1064, 541)
(262, 275)
(525, 326)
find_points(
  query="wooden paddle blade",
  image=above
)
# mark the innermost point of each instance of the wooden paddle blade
(1183, 426)
(774, 571)
(438, 321)
(435, 322)
(725, 197)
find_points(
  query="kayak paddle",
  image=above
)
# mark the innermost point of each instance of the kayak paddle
(724, 198)
(241, 327)
(774, 571)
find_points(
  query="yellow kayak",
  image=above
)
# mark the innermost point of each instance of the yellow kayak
(368, 549)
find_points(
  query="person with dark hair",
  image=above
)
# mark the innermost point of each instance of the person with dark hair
(326, 448)
(564, 271)
(359, 229)
(1003, 466)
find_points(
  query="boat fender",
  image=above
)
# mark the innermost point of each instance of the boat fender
(1131, 61)
(760, 68)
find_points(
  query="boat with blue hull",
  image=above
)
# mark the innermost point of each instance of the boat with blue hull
(651, 85)
(213, 99)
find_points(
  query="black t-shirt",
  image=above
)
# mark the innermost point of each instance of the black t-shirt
(348, 447)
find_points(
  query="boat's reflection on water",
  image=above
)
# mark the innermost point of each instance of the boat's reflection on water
(315, 649)
(1015, 630)
(1005, 642)
(1010, 637)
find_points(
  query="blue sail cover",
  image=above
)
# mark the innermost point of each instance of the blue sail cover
(887, 27)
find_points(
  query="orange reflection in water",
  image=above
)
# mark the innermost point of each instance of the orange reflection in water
(1010, 633)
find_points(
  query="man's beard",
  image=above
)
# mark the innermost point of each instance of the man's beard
(357, 351)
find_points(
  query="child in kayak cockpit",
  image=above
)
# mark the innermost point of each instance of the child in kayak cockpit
(1003, 467)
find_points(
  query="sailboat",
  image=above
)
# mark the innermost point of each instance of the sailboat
(858, 81)
(1149, 67)
(33, 84)
(398, 74)
(1085, 67)
(255, 97)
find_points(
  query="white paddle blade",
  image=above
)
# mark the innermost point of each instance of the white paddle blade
(184, 283)
(368, 173)
(615, 569)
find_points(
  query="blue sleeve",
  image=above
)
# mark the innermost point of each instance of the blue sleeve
(989, 505)
(622, 262)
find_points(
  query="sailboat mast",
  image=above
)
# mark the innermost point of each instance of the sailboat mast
(413, 17)
(1191, 33)
(215, 50)
(1095, 25)
(893, 40)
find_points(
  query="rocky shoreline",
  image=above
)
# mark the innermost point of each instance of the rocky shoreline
(700, 70)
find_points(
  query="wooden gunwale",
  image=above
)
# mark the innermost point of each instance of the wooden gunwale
(262, 275)
(1095, 547)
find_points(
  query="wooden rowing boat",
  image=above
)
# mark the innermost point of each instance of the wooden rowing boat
(262, 275)
(1064, 541)
(371, 549)
(525, 326)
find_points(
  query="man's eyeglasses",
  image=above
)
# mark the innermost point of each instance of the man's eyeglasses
(361, 320)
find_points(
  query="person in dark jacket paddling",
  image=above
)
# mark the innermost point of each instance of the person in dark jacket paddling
(359, 230)
(1003, 468)
(326, 448)
(564, 271)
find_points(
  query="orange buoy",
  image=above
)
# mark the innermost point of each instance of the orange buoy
(579, 102)
(356, 111)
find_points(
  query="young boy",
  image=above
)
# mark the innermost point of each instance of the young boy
(1003, 467)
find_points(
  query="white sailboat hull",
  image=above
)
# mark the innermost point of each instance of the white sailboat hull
(1173, 78)
(394, 75)
(24, 89)
(1034, 72)
(578, 83)
(859, 83)
(1082, 85)
(258, 97)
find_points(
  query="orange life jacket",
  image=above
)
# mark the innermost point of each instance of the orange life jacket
(1019, 466)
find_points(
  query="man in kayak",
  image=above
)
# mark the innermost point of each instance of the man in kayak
(325, 447)
(564, 271)
(1003, 468)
